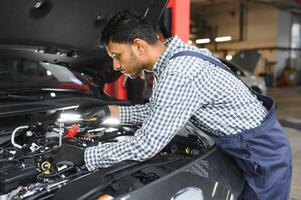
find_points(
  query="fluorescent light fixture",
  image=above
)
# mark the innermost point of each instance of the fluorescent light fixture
(228, 57)
(223, 39)
(189, 42)
(69, 117)
(52, 94)
(202, 41)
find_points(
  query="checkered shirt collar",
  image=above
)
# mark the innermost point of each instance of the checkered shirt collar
(172, 44)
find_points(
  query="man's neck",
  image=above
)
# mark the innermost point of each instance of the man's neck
(156, 51)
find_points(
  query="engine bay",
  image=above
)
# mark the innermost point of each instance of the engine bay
(28, 171)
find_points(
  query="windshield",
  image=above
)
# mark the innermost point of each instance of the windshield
(17, 74)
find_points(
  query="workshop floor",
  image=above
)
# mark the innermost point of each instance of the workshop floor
(288, 104)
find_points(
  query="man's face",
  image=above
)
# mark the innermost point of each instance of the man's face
(125, 58)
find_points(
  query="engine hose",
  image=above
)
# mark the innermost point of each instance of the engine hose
(13, 136)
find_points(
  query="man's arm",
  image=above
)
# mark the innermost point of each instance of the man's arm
(114, 111)
(174, 105)
(131, 114)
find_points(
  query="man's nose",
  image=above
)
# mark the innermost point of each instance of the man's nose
(116, 65)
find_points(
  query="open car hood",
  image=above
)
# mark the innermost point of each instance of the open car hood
(64, 32)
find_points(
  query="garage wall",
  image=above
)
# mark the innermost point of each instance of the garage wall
(265, 28)
(260, 25)
(222, 18)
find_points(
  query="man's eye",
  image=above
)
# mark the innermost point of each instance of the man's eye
(115, 56)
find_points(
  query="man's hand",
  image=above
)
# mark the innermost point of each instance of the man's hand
(69, 153)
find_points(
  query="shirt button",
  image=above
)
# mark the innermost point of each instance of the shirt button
(248, 155)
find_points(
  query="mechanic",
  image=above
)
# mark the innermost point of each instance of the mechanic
(190, 84)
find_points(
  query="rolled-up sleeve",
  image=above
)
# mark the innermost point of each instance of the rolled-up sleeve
(174, 103)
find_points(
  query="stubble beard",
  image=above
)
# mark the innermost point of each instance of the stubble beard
(137, 65)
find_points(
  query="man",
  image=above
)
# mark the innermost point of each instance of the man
(188, 86)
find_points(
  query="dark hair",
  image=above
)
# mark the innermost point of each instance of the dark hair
(125, 26)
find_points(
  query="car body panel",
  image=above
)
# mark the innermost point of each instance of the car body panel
(202, 173)
(65, 32)
(67, 24)
(251, 80)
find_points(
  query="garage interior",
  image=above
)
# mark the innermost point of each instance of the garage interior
(269, 29)
(259, 40)
(263, 37)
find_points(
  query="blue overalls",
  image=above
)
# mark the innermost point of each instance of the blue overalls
(262, 153)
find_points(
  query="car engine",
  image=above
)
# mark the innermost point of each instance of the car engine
(27, 168)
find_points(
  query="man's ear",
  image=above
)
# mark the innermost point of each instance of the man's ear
(139, 44)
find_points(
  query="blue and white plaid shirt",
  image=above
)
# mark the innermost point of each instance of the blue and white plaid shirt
(185, 88)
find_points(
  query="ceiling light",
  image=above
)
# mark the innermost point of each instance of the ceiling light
(202, 41)
(223, 39)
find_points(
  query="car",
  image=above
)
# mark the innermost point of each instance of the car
(254, 82)
(52, 72)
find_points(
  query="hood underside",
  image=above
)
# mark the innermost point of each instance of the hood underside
(64, 31)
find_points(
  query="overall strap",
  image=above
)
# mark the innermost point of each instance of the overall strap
(203, 57)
